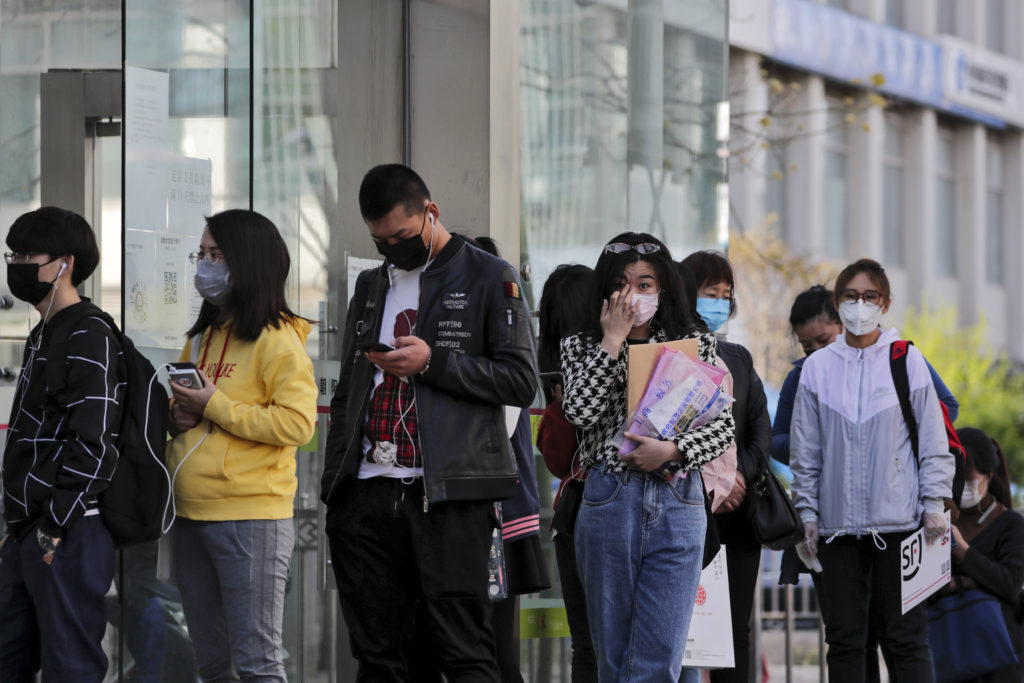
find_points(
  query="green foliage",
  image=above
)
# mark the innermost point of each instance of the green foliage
(990, 392)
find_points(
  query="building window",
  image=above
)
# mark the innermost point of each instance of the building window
(836, 185)
(894, 13)
(994, 17)
(893, 192)
(945, 17)
(994, 213)
(945, 204)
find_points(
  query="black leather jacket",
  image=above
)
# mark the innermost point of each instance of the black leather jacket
(472, 315)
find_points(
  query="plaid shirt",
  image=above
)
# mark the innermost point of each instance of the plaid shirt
(392, 414)
(390, 407)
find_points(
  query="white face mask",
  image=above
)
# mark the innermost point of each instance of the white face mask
(974, 491)
(860, 317)
(647, 307)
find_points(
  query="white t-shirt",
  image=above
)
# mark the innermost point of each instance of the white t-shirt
(399, 320)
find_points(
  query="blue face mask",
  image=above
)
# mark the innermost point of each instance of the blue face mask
(213, 281)
(713, 311)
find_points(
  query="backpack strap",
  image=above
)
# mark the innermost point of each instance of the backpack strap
(898, 366)
(58, 333)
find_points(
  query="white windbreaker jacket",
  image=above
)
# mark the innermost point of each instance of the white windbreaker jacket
(853, 465)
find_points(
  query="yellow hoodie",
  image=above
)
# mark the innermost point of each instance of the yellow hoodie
(264, 407)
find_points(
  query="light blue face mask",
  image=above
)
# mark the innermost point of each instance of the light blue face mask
(713, 311)
(213, 281)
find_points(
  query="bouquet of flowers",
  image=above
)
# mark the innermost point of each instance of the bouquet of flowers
(683, 393)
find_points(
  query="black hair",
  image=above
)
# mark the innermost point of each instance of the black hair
(561, 313)
(386, 186)
(258, 261)
(709, 268)
(57, 232)
(690, 287)
(873, 269)
(488, 244)
(812, 304)
(985, 457)
(674, 307)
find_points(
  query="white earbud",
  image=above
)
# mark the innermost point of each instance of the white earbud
(63, 267)
(431, 219)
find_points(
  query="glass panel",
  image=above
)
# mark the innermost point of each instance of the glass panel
(892, 215)
(835, 204)
(894, 13)
(621, 127)
(945, 18)
(994, 165)
(945, 154)
(994, 16)
(994, 237)
(945, 227)
(186, 149)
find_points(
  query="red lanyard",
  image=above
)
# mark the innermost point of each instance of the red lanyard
(206, 350)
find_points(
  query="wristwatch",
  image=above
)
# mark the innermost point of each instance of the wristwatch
(47, 543)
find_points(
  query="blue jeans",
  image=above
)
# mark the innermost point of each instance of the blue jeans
(232, 577)
(56, 614)
(639, 545)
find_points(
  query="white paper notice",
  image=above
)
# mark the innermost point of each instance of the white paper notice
(158, 287)
(189, 192)
(709, 642)
(146, 124)
(924, 568)
(357, 265)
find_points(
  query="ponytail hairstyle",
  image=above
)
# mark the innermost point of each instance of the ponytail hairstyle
(985, 457)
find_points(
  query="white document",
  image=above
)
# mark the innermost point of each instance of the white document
(709, 642)
(924, 568)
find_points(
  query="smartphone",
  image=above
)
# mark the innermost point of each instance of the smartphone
(185, 375)
(375, 346)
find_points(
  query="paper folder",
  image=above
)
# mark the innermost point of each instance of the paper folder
(640, 361)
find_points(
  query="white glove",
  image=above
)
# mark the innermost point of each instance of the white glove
(934, 527)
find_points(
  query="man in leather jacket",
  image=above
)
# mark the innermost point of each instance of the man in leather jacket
(418, 448)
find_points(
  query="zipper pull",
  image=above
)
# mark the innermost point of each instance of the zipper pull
(508, 312)
(426, 504)
(899, 468)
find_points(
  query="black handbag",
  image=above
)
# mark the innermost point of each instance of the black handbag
(775, 521)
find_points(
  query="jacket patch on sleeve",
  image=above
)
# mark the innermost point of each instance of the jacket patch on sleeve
(512, 290)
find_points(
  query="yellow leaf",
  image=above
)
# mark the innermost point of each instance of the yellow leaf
(793, 167)
(850, 118)
(866, 127)
(877, 100)
(848, 101)
(878, 79)
(857, 81)
(771, 219)
(765, 145)
(775, 85)
(776, 175)
(795, 86)
(766, 121)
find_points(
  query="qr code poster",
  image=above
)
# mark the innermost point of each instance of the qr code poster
(709, 642)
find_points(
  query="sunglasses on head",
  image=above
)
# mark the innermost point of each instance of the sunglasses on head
(642, 248)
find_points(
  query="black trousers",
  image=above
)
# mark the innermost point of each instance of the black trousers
(393, 561)
(743, 557)
(852, 570)
(584, 661)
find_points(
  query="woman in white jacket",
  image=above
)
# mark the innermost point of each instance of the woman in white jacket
(857, 482)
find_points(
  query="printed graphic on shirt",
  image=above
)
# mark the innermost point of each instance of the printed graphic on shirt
(392, 413)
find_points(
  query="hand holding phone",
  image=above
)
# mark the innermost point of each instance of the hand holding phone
(380, 347)
(185, 375)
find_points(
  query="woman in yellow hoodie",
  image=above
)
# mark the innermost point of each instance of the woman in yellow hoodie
(234, 457)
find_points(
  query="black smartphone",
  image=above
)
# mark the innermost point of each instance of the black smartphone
(375, 346)
(185, 375)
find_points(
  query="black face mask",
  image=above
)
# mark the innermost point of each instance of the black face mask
(410, 253)
(23, 281)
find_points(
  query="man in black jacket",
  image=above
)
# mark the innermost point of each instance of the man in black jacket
(418, 447)
(57, 559)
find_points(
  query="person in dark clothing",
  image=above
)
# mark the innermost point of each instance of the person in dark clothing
(716, 303)
(561, 316)
(57, 558)
(418, 449)
(989, 535)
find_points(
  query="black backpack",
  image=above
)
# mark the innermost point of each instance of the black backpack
(898, 367)
(135, 503)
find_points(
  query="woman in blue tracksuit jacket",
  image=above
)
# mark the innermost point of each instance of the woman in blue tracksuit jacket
(857, 483)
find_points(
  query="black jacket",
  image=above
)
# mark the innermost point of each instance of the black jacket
(753, 426)
(472, 315)
(59, 457)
